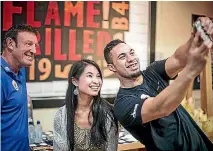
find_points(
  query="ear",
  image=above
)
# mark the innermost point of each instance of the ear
(111, 67)
(75, 82)
(10, 43)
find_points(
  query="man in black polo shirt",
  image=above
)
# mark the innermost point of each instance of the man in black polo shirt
(147, 106)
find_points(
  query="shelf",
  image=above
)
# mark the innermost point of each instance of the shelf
(130, 146)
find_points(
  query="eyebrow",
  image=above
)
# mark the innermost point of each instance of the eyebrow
(28, 41)
(124, 53)
(92, 73)
(89, 72)
(121, 55)
(32, 42)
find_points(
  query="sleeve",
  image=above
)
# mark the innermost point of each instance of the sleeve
(112, 135)
(159, 67)
(59, 142)
(128, 110)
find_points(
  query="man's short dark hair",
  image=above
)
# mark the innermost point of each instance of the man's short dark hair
(14, 30)
(109, 47)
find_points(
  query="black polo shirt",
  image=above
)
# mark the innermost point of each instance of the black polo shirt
(176, 132)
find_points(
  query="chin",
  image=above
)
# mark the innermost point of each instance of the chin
(94, 94)
(135, 74)
(27, 63)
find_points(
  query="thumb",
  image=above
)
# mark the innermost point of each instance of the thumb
(197, 40)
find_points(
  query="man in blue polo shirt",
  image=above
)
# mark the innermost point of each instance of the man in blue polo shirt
(19, 48)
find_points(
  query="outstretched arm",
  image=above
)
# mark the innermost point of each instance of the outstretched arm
(170, 98)
(178, 60)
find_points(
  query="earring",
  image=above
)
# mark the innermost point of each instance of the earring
(75, 91)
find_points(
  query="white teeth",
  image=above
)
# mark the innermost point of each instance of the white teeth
(29, 56)
(133, 65)
(94, 88)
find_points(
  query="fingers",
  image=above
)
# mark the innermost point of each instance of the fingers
(201, 37)
(204, 21)
(205, 56)
(202, 49)
(204, 53)
(197, 40)
(205, 46)
(210, 30)
(208, 43)
(207, 26)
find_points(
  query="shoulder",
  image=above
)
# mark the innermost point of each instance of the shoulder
(125, 92)
(61, 109)
(6, 82)
(108, 110)
(60, 121)
(125, 95)
(106, 105)
(126, 108)
(4, 75)
(158, 64)
(125, 102)
(60, 114)
(60, 130)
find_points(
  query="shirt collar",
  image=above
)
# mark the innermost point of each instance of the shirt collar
(7, 69)
(5, 66)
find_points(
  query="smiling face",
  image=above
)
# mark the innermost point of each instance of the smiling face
(24, 50)
(125, 61)
(90, 81)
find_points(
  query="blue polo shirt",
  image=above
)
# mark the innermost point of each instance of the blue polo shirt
(14, 111)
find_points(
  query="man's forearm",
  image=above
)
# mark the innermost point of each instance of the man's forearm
(170, 98)
(177, 61)
(181, 52)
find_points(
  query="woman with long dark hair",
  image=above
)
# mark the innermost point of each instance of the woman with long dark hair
(86, 122)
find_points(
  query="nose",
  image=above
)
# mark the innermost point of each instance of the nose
(130, 58)
(33, 50)
(95, 79)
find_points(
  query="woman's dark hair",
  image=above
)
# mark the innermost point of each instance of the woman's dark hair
(100, 109)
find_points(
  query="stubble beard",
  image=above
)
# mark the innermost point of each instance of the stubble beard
(133, 75)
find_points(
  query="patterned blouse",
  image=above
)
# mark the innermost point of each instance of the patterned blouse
(82, 136)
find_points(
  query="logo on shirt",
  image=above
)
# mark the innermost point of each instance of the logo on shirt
(158, 86)
(134, 111)
(144, 96)
(15, 85)
(7, 69)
